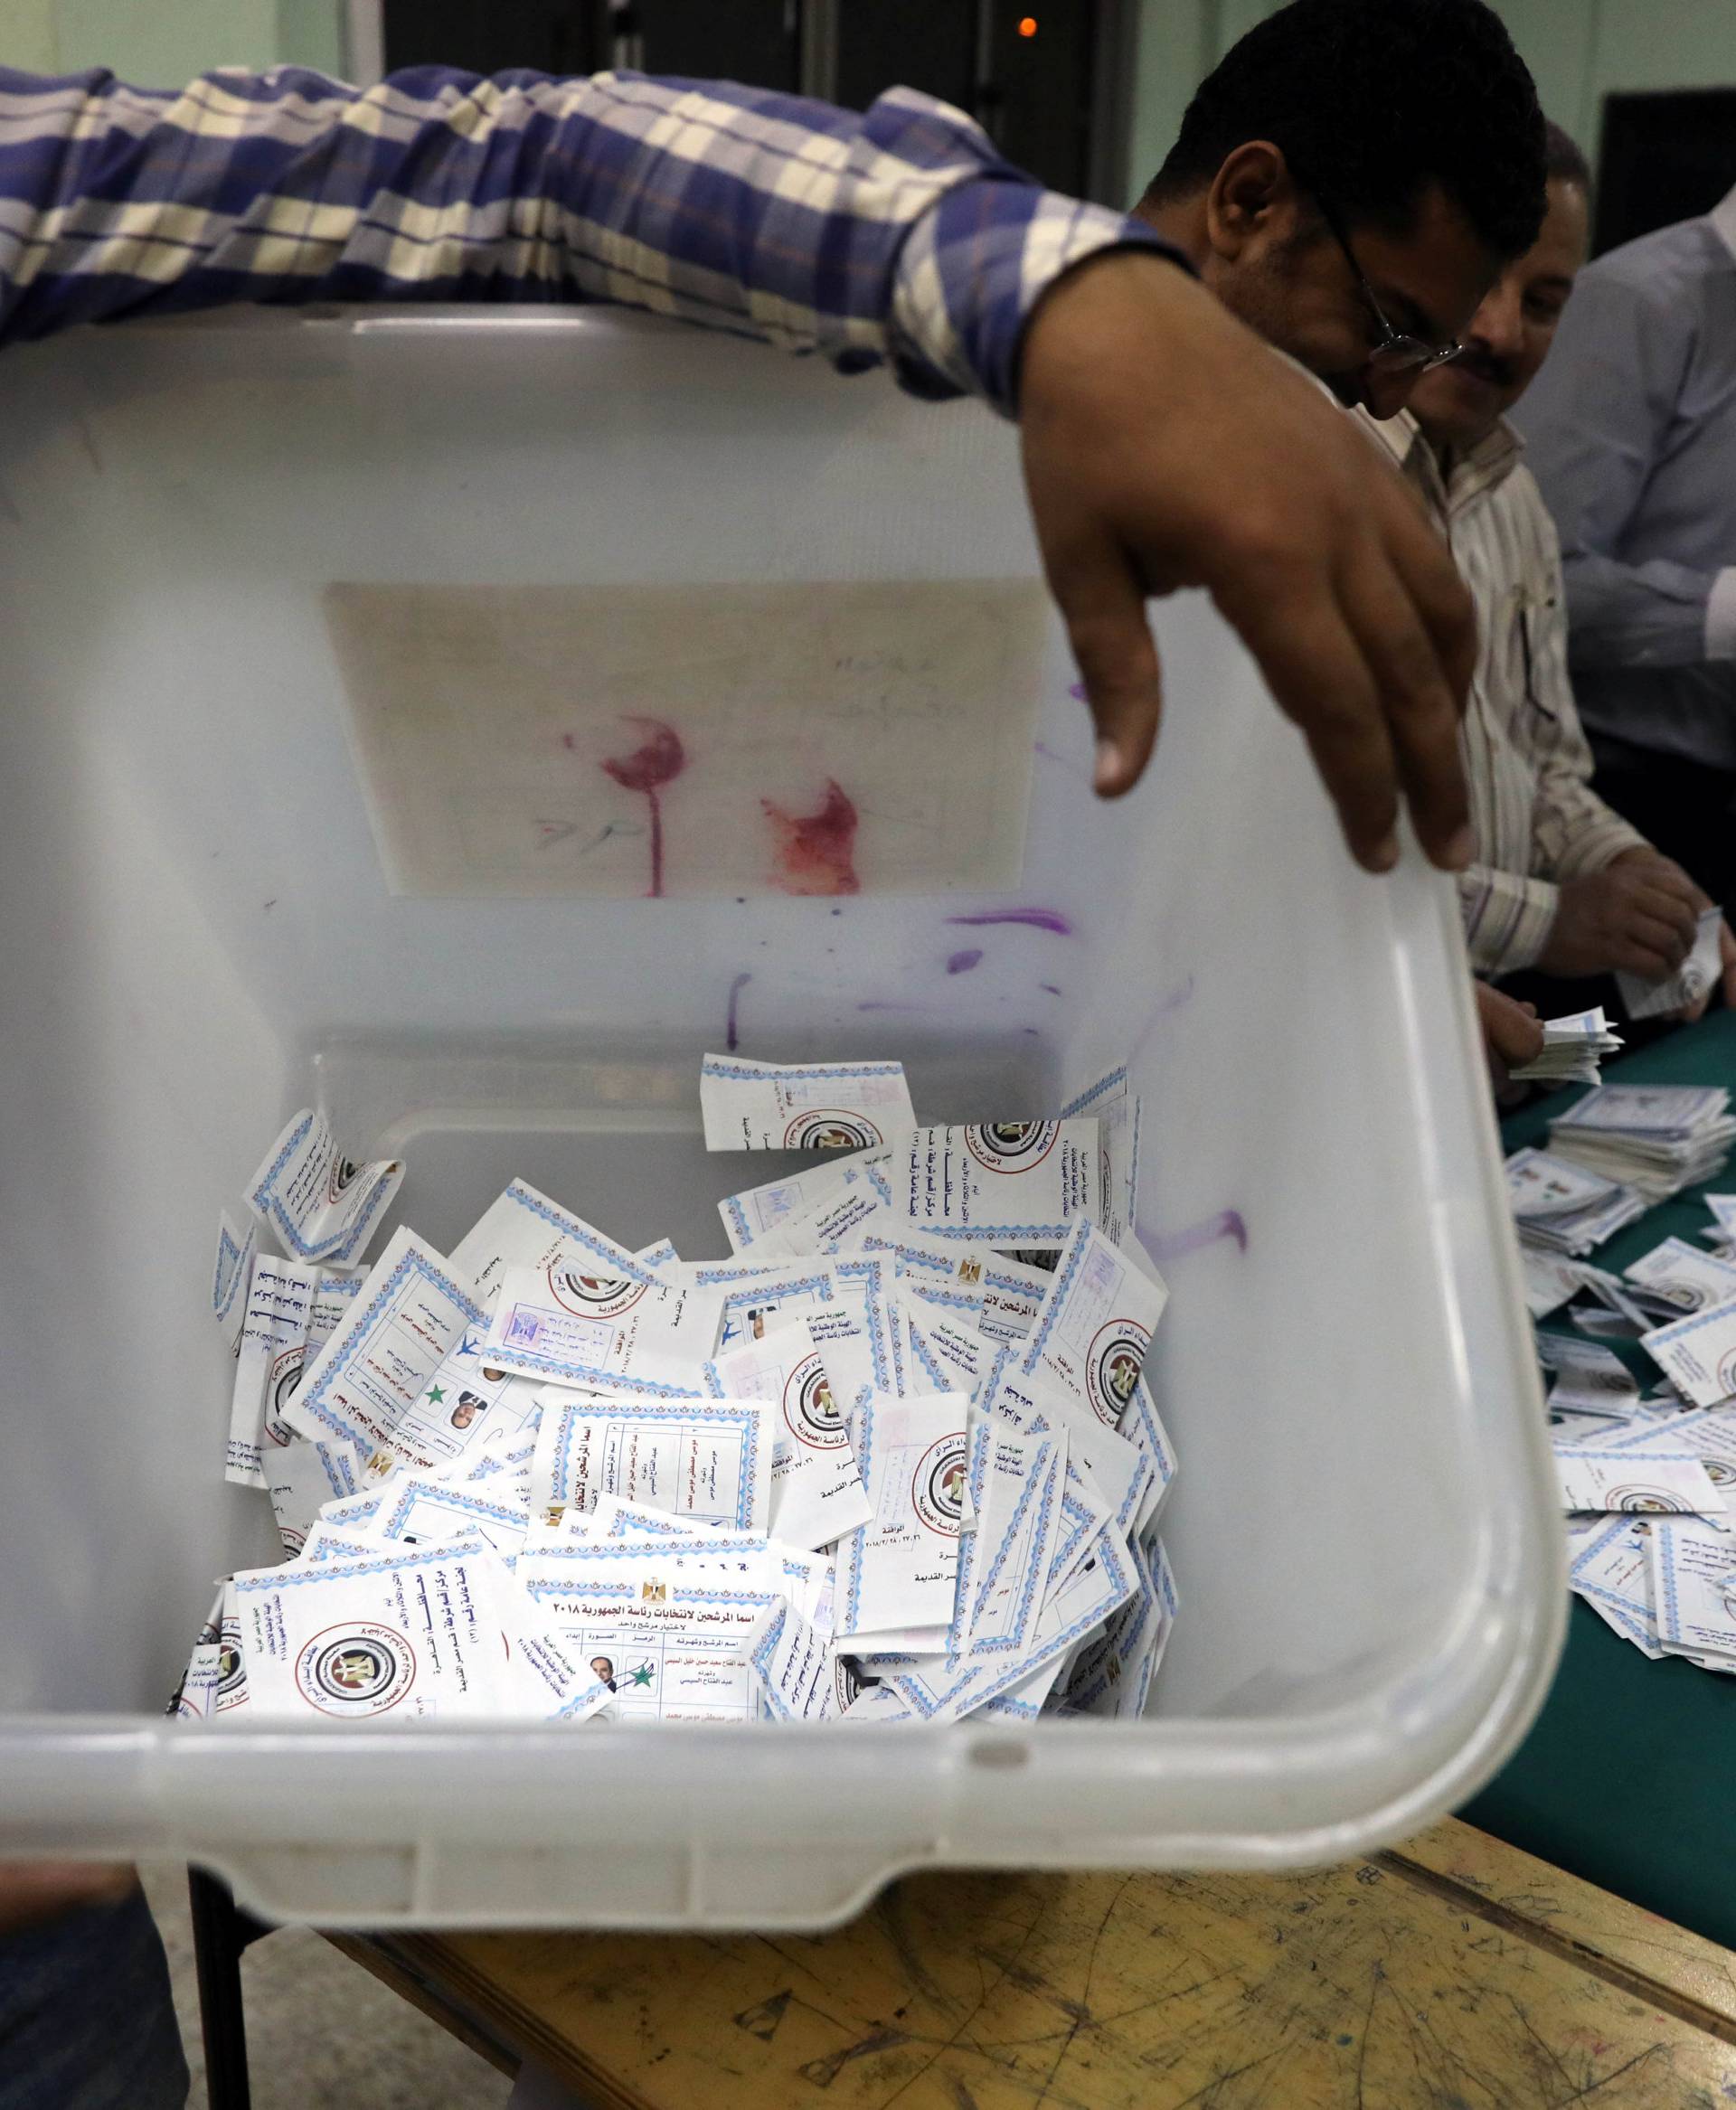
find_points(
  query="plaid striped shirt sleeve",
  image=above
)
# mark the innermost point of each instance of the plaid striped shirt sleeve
(897, 234)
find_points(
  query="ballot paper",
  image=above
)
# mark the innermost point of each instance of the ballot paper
(826, 1224)
(1000, 1297)
(1095, 1587)
(1550, 1282)
(231, 1272)
(196, 1696)
(273, 1342)
(799, 1672)
(367, 1386)
(1114, 1107)
(899, 1571)
(555, 1322)
(1656, 1138)
(1113, 1671)
(816, 1492)
(1565, 1208)
(1637, 1305)
(1691, 981)
(1013, 1546)
(314, 1201)
(946, 1355)
(424, 1634)
(702, 1458)
(1657, 1483)
(821, 1106)
(523, 1228)
(305, 1476)
(420, 1511)
(668, 1629)
(755, 1212)
(1693, 1592)
(1018, 1183)
(1574, 1048)
(467, 1404)
(1680, 1274)
(1698, 1353)
(1096, 1325)
(1589, 1378)
(1709, 1433)
(1611, 1570)
(1721, 1231)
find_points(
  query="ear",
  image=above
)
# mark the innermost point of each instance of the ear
(1253, 198)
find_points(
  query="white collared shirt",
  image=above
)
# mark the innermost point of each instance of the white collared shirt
(1537, 820)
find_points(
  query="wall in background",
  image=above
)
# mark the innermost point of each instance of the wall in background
(1578, 50)
(160, 44)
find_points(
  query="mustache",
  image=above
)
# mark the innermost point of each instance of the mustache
(1486, 365)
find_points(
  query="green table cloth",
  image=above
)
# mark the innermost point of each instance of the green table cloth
(1629, 1779)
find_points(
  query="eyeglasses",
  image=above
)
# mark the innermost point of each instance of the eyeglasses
(1394, 352)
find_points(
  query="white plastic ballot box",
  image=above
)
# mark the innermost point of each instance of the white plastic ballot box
(462, 721)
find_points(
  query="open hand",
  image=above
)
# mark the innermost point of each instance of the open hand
(1640, 915)
(1166, 445)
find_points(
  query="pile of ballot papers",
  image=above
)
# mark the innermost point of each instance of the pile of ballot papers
(895, 1460)
(1647, 1479)
(1561, 1208)
(1573, 1051)
(1657, 1138)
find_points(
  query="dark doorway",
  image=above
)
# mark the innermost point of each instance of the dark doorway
(1664, 158)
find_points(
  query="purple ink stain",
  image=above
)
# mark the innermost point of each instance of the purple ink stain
(1226, 1224)
(873, 1005)
(1075, 690)
(658, 762)
(736, 987)
(962, 963)
(1171, 999)
(1050, 919)
(1066, 762)
(1049, 988)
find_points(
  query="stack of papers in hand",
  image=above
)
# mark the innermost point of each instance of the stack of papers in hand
(1564, 1209)
(1658, 1138)
(1573, 1048)
(874, 1466)
(1696, 975)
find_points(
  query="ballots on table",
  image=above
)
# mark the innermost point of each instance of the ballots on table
(1572, 1051)
(1656, 1138)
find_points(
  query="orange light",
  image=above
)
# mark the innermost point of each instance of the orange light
(1027, 26)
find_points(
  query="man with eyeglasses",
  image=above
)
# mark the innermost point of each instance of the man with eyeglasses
(1351, 181)
(1562, 885)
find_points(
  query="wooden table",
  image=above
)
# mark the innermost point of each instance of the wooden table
(1455, 1973)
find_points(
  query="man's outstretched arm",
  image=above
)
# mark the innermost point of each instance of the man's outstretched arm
(1164, 445)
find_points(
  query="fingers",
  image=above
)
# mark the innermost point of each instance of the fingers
(1101, 602)
(1666, 913)
(1322, 680)
(1727, 961)
(1511, 1032)
(1646, 948)
(1420, 704)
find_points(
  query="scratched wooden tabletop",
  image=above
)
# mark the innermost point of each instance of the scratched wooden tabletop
(1454, 1973)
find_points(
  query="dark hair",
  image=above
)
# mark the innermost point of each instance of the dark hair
(1371, 102)
(1562, 158)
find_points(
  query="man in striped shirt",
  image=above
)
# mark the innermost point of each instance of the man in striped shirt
(1561, 882)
